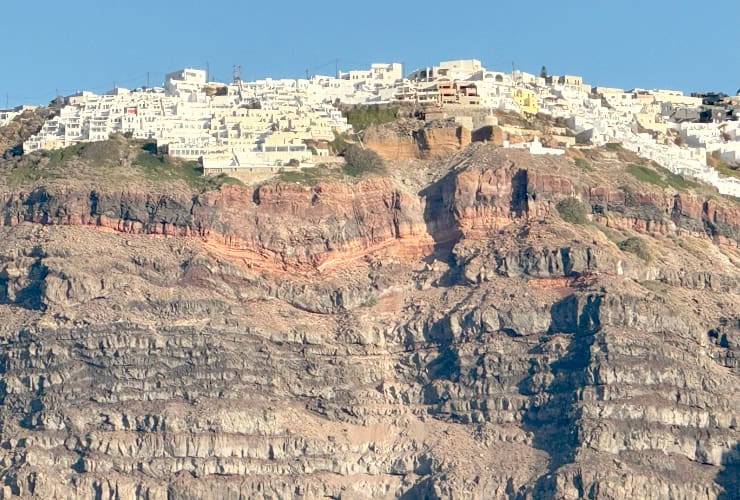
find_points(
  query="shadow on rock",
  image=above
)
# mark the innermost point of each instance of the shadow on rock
(29, 292)
(440, 218)
(728, 476)
(555, 422)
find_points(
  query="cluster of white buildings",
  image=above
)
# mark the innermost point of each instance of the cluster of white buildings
(274, 122)
(226, 126)
(660, 125)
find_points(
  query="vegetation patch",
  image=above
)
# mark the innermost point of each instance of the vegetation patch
(572, 210)
(655, 286)
(613, 235)
(613, 146)
(636, 246)
(645, 174)
(340, 143)
(362, 116)
(361, 162)
(660, 176)
(715, 161)
(583, 164)
(26, 172)
(160, 168)
(309, 176)
(60, 163)
(115, 162)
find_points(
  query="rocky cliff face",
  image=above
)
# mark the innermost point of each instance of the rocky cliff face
(365, 341)
(278, 227)
(414, 139)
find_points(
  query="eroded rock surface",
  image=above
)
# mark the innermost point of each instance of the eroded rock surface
(366, 341)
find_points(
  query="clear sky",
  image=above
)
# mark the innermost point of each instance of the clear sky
(70, 45)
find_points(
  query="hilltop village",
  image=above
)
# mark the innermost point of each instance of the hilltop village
(269, 123)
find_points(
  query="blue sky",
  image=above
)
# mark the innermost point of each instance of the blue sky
(71, 45)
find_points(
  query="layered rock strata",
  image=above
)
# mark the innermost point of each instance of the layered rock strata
(509, 355)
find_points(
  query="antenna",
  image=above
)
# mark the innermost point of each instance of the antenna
(147, 79)
(208, 71)
(237, 74)
(336, 67)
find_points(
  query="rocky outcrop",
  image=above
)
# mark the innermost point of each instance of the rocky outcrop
(484, 196)
(392, 144)
(412, 139)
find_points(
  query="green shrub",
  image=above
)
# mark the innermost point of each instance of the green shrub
(645, 174)
(225, 180)
(613, 146)
(636, 246)
(362, 116)
(613, 235)
(362, 161)
(340, 143)
(572, 210)
(583, 164)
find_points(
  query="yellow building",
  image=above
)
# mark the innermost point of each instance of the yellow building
(527, 101)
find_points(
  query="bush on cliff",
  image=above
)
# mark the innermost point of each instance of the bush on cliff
(572, 210)
(340, 143)
(636, 246)
(362, 116)
(362, 161)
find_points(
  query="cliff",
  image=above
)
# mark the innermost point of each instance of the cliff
(408, 139)
(367, 340)
(288, 226)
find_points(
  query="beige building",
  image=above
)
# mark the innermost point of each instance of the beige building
(458, 93)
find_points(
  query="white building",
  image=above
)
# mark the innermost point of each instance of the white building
(186, 83)
(381, 73)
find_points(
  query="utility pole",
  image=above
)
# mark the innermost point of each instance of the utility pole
(7, 101)
(208, 71)
(147, 79)
(336, 67)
